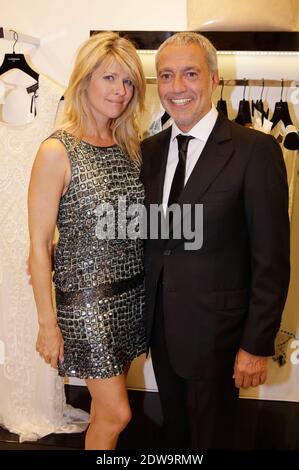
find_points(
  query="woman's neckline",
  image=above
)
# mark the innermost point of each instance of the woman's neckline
(99, 146)
(89, 143)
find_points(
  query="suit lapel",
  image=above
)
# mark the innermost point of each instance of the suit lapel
(215, 155)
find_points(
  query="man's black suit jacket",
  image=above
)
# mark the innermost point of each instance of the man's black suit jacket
(230, 293)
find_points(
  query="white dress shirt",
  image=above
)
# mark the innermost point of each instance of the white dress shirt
(200, 132)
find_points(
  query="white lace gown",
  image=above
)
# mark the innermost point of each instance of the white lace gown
(32, 399)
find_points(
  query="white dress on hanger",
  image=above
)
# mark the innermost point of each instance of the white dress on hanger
(290, 156)
(32, 399)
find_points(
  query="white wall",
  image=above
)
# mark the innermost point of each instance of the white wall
(242, 15)
(63, 25)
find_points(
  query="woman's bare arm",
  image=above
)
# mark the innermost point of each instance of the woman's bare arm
(49, 178)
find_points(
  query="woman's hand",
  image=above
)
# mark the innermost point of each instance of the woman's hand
(49, 344)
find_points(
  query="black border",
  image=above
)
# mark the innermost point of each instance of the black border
(223, 40)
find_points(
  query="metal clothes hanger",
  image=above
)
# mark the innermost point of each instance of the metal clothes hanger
(259, 105)
(281, 111)
(221, 104)
(244, 115)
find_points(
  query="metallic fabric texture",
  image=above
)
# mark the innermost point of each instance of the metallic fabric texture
(99, 279)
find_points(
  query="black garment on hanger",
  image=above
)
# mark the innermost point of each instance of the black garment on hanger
(244, 115)
(222, 107)
(221, 104)
(17, 61)
(281, 113)
(291, 141)
(259, 106)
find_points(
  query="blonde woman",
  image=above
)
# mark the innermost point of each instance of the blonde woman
(93, 159)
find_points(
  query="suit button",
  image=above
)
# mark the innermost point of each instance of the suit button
(167, 252)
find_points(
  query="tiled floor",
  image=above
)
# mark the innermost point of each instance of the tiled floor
(261, 425)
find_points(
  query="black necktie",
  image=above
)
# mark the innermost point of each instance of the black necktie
(178, 181)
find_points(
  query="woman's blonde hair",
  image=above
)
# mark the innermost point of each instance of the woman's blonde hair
(105, 47)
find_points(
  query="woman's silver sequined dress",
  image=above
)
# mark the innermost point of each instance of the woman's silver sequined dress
(99, 282)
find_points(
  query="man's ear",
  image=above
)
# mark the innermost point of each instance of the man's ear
(215, 80)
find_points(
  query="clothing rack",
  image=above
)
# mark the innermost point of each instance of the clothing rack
(259, 82)
(10, 36)
(247, 82)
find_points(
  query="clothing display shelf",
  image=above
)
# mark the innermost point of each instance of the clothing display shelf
(272, 41)
(9, 34)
